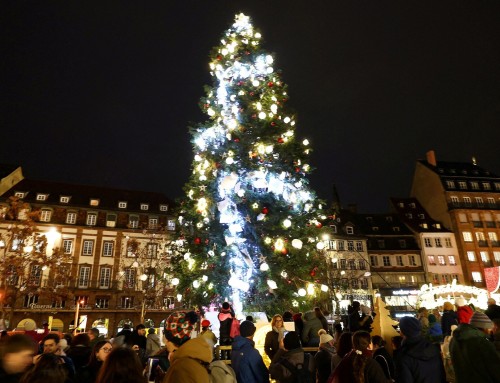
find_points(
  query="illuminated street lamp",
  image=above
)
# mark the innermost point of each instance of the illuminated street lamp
(77, 313)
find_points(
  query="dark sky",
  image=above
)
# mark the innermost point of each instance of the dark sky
(103, 92)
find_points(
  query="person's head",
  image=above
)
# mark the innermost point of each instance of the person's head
(50, 343)
(93, 333)
(464, 314)
(325, 338)
(100, 352)
(292, 341)
(225, 306)
(48, 368)
(81, 339)
(287, 316)
(356, 306)
(410, 327)
(378, 342)
(423, 312)
(432, 319)
(151, 331)
(396, 342)
(178, 327)
(140, 329)
(491, 302)
(247, 329)
(360, 343)
(126, 326)
(277, 321)
(16, 353)
(447, 306)
(338, 328)
(121, 365)
(318, 312)
(345, 344)
(481, 321)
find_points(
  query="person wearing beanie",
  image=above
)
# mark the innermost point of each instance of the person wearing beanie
(464, 313)
(153, 344)
(417, 360)
(207, 333)
(290, 359)
(274, 338)
(188, 357)
(473, 356)
(245, 359)
(323, 357)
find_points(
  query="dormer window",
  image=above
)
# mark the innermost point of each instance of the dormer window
(349, 230)
(163, 207)
(122, 205)
(41, 197)
(388, 219)
(94, 202)
(20, 194)
(412, 205)
(144, 206)
(64, 199)
(395, 228)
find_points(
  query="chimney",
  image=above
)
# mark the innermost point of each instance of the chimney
(431, 158)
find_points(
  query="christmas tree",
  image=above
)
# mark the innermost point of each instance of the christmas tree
(250, 227)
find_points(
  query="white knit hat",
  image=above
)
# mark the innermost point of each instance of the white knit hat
(324, 337)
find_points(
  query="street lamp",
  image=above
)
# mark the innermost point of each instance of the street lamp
(77, 313)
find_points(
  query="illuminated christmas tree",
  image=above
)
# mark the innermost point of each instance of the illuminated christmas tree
(250, 227)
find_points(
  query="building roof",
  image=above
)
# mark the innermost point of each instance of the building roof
(460, 170)
(81, 196)
(412, 213)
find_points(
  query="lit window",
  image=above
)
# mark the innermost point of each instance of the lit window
(122, 205)
(486, 186)
(492, 236)
(462, 184)
(441, 260)
(133, 222)
(451, 260)
(144, 206)
(471, 256)
(107, 249)
(91, 219)
(450, 184)
(94, 202)
(88, 247)
(496, 254)
(484, 256)
(467, 201)
(67, 246)
(20, 194)
(462, 217)
(479, 201)
(171, 224)
(480, 236)
(84, 277)
(163, 207)
(153, 223)
(111, 220)
(467, 236)
(105, 278)
(64, 199)
(491, 202)
(71, 218)
(431, 260)
(476, 276)
(45, 215)
(474, 185)
(455, 201)
(41, 197)
(349, 230)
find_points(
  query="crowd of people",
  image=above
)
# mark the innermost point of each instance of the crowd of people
(455, 344)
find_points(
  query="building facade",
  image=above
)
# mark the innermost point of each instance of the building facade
(440, 256)
(395, 261)
(466, 199)
(116, 242)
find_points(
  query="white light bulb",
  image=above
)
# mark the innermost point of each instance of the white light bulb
(302, 292)
(196, 284)
(264, 266)
(272, 284)
(204, 278)
(287, 223)
(324, 288)
(175, 281)
(297, 243)
(229, 160)
(262, 115)
(320, 246)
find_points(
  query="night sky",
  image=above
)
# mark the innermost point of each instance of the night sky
(103, 93)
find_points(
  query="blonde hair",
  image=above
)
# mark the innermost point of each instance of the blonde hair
(275, 318)
(447, 306)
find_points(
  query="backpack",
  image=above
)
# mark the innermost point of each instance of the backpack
(300, 372)
(220, 372)
(235, 328)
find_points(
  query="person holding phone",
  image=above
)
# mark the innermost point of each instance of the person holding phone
(274, 338)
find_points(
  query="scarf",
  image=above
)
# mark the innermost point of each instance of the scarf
(280, 331)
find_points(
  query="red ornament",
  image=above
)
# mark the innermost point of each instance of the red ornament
(219, 57)
(313, 272)
(240, 83)
(273, 123)
(265, 210)
(319, 225)
(236, 140)
(280, 140)
(197, 241)
(252, 93)
(297, 170)
(207, 241)
(247, 52)
(254, 116)
(284, 251)
(270, 84)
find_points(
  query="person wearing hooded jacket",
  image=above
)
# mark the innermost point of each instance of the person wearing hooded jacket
(473, 356)
(448, 319)
(153, 344)
(245, 359)
(312, 325)
(418, 360)
(188, 356)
